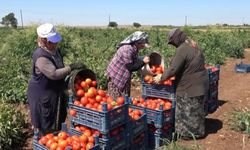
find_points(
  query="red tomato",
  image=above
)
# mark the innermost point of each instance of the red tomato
(80, 93)
(93, 84)
(88, 81)
(72, 112)
(120, 101)
(101, 92)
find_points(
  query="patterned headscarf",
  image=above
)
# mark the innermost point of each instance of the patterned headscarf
(136, 37)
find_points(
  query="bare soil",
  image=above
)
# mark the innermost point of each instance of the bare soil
(234, 93)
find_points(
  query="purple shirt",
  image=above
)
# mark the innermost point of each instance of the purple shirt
(117, 69)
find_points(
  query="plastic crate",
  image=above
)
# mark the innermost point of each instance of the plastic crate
(137, 127)
(158, 117)
(158, 90)
(211, 103)
(111, 143)
(142, 144)
(38, 146)
(159, 138)
(214, 75)
(102, 121)
(242, 68)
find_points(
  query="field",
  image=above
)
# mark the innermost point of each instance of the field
(221, 46)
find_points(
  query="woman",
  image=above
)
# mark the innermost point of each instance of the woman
(124, 62)
(46, 85)
(191, 85)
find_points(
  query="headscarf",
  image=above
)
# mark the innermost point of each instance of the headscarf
(136, 37)
(176, 37)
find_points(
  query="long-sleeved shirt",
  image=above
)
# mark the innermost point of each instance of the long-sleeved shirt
(121, 65)
(188, 68)
(45, 66)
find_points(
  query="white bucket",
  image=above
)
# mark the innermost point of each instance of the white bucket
(155, 60)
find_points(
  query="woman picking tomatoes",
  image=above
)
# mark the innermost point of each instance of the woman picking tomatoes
(47, 81)
(124, 62)
(191, 84)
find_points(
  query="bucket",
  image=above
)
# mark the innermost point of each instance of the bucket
(155, 60)
(83, 74)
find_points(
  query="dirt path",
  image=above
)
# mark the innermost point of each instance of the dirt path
(234, 92)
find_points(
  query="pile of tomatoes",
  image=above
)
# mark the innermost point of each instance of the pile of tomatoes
(93, 132)
(157, 70)
(63, 140)
(135, 114)
(152, 103)
(90, 97)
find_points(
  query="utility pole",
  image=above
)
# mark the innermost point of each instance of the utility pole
(21, 17)
(185, 20)
(109, 18)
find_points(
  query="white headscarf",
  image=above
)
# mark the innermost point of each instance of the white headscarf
(137, 36)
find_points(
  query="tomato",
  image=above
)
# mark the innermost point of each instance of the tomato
(76, 146)
(87, 132)
(72, 112)
(53, 146)
(153, 69)
(91, 92)
(60, 148)
(76, 102)
(89, 145)
(84, 101)
(109, 106)
(80, 93)
(98, 98)
(120, 101)
(88, 81)
(62, 143)
(93, 84)
(101, 92)
(146, 78)
(83, 138)
(50, 142)
(91, 139)
(49, 135)
(43, 140)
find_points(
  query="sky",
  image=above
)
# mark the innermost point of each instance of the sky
(126, 12)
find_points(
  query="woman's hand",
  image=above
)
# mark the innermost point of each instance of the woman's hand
(146, 59)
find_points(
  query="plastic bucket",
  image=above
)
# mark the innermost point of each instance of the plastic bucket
(83, 74)
(155, 60)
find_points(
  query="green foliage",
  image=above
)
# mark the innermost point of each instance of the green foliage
(9, 20)
(12, 124)
(137, 25)
(113, 24)
(240, 120)
(96, 47)
(16, 65)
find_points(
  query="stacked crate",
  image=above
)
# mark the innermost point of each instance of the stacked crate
(38, 145)
(106, 122)
(138, 131)
(159, 119)
(211, 102)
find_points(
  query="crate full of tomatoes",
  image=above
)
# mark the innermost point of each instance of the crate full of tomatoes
(158, 110)
(114, 139)
(164, 89)
(92, 107)
(138, 137)
(65, 140)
